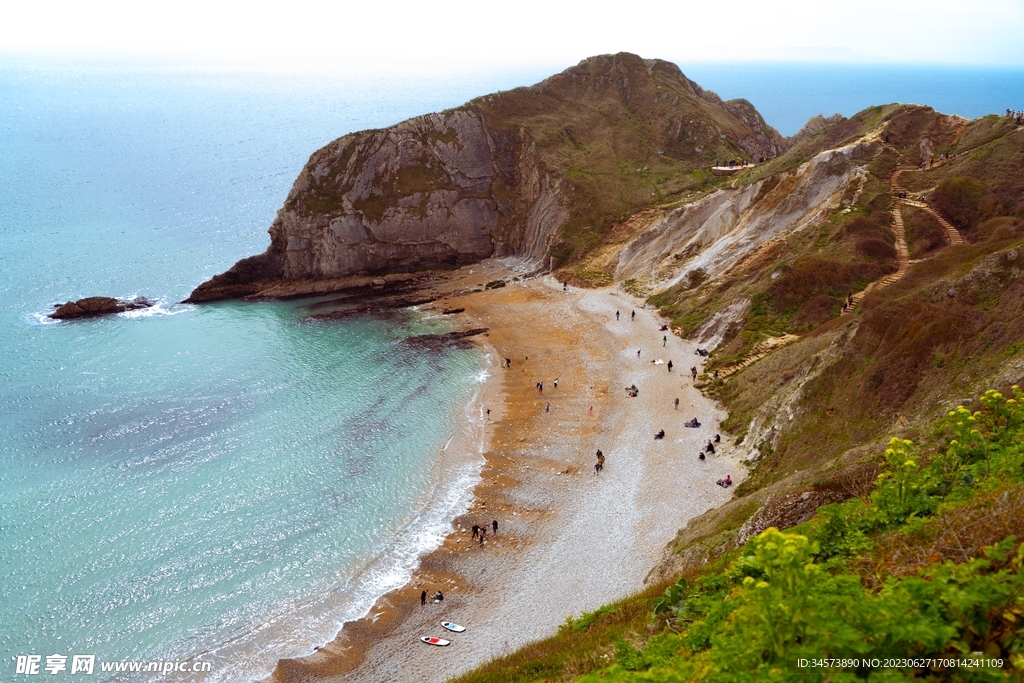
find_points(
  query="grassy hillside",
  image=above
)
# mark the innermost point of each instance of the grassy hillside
(624, 133)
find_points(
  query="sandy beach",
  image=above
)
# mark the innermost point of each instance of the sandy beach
(569, 540)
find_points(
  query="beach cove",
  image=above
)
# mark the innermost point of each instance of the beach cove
(569, 540)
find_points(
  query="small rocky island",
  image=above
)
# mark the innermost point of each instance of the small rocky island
(95, 306)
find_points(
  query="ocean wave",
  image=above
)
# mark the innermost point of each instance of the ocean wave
(158, 308)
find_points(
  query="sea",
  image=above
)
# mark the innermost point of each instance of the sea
(230, 483)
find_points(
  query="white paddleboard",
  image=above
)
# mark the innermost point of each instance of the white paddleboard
(440, 642)
(453, 627)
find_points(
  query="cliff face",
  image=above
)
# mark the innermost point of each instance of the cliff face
(540, 172)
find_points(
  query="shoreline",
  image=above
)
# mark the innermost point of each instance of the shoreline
(537, 480)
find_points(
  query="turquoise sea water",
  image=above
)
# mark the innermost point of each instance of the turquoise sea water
(223, 481)
(227, 481)
(789, 94)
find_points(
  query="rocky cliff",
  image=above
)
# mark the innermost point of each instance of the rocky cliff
(541, 172)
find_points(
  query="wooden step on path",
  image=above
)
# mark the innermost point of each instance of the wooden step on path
(953, 235)
(757, 353)
(902, 253)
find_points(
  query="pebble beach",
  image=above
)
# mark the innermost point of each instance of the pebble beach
(569, 540)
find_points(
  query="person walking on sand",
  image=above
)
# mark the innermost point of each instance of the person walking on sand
(555, 383)
(677, 404)
(600, 462)
(547, 407)
(508, 363)
(693, 372)
(494, 525)
(632, 315)
(483, 532)
(638, 353)
(670, 366)
(540, 387)
(616, 316)
(664, 340)
(423, 598)
(476, 530)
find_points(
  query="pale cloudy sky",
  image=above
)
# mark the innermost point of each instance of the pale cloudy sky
(403, 34)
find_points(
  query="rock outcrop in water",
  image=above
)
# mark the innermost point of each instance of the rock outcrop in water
(95, 306)
(540, 172)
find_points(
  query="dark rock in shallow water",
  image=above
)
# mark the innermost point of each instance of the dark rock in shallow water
(438, 341)
(95, 306)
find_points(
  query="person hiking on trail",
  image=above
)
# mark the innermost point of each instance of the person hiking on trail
(677, 404)
(632, 315)
(670, 366)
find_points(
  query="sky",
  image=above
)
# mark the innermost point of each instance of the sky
(397, 34)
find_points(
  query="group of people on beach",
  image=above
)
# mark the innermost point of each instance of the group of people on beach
(437, 597)
(480, 531)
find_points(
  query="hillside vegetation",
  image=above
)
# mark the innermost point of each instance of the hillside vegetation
(623, 133)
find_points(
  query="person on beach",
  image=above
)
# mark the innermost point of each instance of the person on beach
(600, 462)
(438, 596)
(725, 483)
(547, 407)
(632, 315)
(616, 316)
(540, 387)
(483, 532)
(701, 455)
(555, 383)
(508, 363)
(638, 353)
(677, 404)
(718, 438)
(494, 525)
(693, 372)
(710, 448)
(664, 340)
(423, 598)
(670, 366)
(660, 435)
(476, 530)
